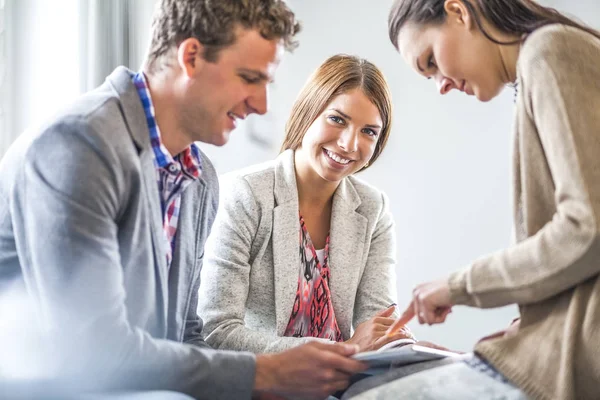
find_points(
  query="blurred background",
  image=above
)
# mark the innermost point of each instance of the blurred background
(446, 168)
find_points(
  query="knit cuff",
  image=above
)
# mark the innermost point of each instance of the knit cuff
(457, 281)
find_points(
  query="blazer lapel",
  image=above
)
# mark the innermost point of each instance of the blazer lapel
(286, 231)
(183, 271)
(135, 118)
(156, 222)
(347, 240)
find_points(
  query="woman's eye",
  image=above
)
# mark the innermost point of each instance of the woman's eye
(336, 119)
(430, 62)
(370, 132)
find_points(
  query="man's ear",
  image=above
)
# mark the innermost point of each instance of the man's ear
(190, 56)
(457, 12)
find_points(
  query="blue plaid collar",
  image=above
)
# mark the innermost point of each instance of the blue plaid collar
(162, 157)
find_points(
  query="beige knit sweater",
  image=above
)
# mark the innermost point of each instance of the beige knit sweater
(553, 270)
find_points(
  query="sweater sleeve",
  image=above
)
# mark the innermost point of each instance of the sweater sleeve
(561, 95)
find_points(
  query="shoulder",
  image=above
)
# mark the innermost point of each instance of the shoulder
(372, 199)
(82, 138)
(558, 46)
(256, 181)
(94, 123)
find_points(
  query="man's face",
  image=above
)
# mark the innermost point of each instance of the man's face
(220, 93)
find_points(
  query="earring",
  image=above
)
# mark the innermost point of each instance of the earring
(366, 165)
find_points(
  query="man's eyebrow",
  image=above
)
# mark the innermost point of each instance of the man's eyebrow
(259, 74)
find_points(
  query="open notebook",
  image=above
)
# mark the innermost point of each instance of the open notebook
(407, 354)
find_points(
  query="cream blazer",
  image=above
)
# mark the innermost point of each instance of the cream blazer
(252, 262)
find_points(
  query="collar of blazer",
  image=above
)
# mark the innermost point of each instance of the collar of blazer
(120, 81)
(347, 234)
(287, 191)
(135, 118)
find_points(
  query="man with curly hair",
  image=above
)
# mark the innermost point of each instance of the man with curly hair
(104, 212)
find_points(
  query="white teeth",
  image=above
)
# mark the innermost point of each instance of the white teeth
(336, 157)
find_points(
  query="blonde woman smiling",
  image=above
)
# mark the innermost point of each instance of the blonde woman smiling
(302, 249)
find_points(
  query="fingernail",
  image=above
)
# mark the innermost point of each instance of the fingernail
(392, 305)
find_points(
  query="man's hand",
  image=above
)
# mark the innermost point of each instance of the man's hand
(311, 371)
(371, 334)
(430, 304)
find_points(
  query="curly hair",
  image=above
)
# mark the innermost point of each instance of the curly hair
(214, 24)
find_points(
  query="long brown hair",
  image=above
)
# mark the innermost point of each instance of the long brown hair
(339, 74)
(515, 17)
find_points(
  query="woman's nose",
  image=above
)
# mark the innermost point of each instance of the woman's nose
(348, 140)
(445, 85)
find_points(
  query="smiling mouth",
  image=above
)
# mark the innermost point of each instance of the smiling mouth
(234, 117)
(337, 158)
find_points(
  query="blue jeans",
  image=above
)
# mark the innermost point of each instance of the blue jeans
(459, 380)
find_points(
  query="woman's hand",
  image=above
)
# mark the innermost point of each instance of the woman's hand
(371, 334)
(430, 304)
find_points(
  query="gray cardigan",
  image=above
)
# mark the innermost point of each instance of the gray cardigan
(81, 233)
(251, 268)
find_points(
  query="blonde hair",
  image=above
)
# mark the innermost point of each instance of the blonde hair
(339, 74)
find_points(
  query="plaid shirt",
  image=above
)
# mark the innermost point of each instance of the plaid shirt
(173, 174)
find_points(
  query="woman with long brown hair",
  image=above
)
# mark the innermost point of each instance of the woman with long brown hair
(552, 272)
(301, 249)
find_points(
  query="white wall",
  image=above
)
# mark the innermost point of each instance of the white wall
(45, 54)
(44, 60)
(4, 64)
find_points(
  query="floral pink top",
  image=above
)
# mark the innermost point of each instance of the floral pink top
(312, 314)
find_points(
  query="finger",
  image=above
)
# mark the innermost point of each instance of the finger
(405, 334)
(384, 321)
(390, 338)
(428, 315)
(382, 329)
(445, 310)
(387, 312)
(408, 314)
(378, 330)
(342, 363)
(342, 349)
(440, 314)
(330, 375)
(419, 312)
